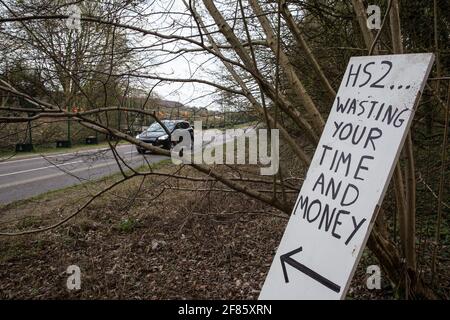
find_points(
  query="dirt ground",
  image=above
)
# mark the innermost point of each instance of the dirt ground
(136, 243)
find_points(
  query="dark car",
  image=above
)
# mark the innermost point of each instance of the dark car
(157, 136)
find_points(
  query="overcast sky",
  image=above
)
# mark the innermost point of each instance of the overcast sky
(188, 65)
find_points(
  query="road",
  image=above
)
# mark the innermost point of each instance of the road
(28, 177)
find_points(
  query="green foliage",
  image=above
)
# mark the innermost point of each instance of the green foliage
(128, 225)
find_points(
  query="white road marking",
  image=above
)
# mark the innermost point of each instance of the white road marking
(55, 166)
(53, 175)
(41, 168)
(43, 156)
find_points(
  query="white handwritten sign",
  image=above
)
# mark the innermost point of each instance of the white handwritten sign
(348, 177)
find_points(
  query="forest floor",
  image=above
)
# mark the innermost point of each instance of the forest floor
(138, 243)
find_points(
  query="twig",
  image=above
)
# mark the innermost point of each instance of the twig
(375, 40)
(441, 189)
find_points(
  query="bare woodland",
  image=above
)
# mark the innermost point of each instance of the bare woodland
(280, 61)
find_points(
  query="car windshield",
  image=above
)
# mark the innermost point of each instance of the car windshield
(155, 126)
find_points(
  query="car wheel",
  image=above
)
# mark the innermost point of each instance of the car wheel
(140, 151)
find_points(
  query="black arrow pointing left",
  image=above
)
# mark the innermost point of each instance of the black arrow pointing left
(286, 258)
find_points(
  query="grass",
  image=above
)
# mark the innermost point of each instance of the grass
(128, 225)
(28, 223)
(239, 126)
